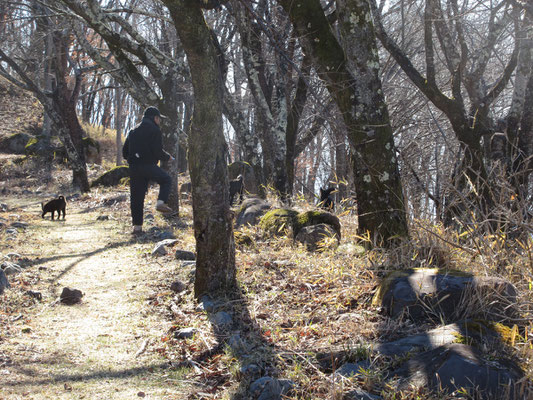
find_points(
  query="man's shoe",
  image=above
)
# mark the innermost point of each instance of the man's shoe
(163, 208)
(137, 230)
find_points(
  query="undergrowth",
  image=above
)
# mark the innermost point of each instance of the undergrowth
(293, 305)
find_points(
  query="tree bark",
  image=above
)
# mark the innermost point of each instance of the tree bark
(213, 225)
(360, 99)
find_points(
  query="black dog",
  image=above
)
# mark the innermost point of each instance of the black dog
(236, 186)
(326, 199)
(52, 206)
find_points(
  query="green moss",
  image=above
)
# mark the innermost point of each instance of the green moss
(112, 177)
(484, 327)
(32, 142)
(462, 339)
(278, 222)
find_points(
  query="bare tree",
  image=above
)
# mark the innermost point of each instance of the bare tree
(60, 98)
(152, 74)
(213, 225)
(351, 75)
(465, 38)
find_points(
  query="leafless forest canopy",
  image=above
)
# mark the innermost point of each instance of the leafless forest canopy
(310, 94)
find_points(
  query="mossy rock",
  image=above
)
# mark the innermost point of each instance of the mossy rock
(44, 146)
(388, 280)
(278, 222)
(37, 145)
(251, 211)
(309, 218)
(480, 328)
(15, 143)
(112, 177)
(444, 295)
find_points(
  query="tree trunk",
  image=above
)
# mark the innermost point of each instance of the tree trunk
(213, 225)
(293, 121)
(118, 124)
(360, 99)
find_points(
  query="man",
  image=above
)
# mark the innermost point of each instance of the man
(143, 149)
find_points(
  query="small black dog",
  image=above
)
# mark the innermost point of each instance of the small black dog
(236, 186)
(58, 205)
(326, 199)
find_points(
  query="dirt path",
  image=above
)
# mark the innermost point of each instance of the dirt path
(102, 348)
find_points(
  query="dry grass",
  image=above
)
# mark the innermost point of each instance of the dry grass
(292, 304)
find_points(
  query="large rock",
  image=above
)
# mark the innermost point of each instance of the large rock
(160, 247)
(310, 218)
(268, 388)
(455, 366)
(251, 211)
(315, 237)
(481, 333)
(15, 143)
(445, 295)
(44, 146)
(278, 222)
(112, 177)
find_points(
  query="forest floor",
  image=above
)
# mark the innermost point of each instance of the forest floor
(101, 348)
(120, 342)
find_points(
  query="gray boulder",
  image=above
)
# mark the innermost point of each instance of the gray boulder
(313, 236)
(251, 211)
(349, 370)
(112, 177)
(221, 320)
(268, 388)
(185, 255)
(15, 143)
(444, 295)
(455, 366)
(160, 247)
(482, 334)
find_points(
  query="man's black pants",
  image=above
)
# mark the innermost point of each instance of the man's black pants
(140, 176)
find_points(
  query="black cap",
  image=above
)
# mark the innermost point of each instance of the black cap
(152, 112)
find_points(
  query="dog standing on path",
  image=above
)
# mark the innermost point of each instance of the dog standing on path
(52, 206)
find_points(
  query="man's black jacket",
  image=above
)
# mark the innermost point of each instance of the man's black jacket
(144, 144)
